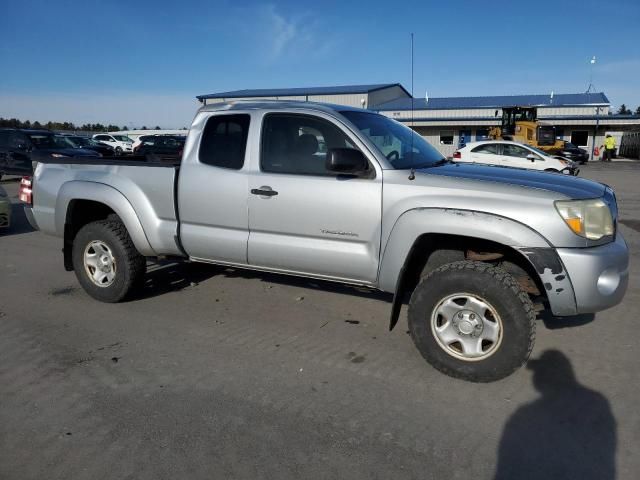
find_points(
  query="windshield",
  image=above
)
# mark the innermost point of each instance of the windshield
(123, 138)
(541, 152)
(403, 147)
(79, 141)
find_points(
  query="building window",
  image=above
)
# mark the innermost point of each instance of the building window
(482, 134)
(580, 138)
(446, 137)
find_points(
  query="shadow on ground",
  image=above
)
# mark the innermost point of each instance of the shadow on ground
(569, 432)
(172, 276)
(19, 223)
(554, 323)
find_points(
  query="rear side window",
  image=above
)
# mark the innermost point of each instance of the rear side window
(224, 141)
(490, 148)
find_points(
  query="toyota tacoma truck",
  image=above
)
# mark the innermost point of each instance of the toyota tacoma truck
(347, 195)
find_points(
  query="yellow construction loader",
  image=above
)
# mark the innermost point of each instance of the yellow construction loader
(520, 124)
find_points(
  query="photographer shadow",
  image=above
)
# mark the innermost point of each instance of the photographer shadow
(567, 433)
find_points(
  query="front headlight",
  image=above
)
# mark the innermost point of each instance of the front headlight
(588, 218)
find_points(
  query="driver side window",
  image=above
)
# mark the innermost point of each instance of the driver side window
(299, 144)
(514, 151)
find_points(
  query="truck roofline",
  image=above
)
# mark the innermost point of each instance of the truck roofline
(278, 105)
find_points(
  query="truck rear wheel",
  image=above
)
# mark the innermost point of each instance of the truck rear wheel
(106, 262)
(471, 320)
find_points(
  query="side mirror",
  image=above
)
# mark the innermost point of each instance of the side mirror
(532, 157)
(346, 160)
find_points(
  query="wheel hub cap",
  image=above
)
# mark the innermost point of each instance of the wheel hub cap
(99, 263)
(466, 326)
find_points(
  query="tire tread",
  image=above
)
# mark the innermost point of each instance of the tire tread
(507, 281)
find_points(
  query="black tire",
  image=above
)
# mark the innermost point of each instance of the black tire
(494, 286)
(130, 265)
(118, 151)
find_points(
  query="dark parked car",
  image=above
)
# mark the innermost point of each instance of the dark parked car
(161, 145)
(91, 144)
(575, 153)
(20, 147)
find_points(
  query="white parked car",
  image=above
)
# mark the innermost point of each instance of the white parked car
(121, 143)
(138, 141)
(512, 154)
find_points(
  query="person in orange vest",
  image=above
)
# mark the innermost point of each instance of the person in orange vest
(609, 148)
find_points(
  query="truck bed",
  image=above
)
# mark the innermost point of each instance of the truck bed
(149, 187)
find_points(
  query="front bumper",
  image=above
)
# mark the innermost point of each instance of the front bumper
(571, 170)
(599, 275)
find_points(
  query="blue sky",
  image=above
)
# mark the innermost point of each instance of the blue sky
(142, 62)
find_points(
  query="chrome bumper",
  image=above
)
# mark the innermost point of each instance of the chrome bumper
(599, 275)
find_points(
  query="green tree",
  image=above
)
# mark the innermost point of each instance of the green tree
(157, 128)
(638, 110)
(623, 110)
(143, 128)
(124, 128)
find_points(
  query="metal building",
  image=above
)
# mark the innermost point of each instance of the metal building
(365, 96)
(449, 122)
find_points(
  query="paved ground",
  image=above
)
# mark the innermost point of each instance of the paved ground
(215, 373)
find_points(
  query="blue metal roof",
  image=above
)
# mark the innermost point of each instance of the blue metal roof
(444, 103)
(302, 91)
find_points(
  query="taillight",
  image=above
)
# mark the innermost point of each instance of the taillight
(457, 155)
(25, 193)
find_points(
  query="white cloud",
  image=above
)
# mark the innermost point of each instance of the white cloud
(284, 32)
(165, 110)
(292, 35)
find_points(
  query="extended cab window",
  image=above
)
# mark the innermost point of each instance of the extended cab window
(487, 148)
(299, 144)
(224, 141)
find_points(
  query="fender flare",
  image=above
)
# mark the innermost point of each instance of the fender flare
(467, 223)
(109, 196)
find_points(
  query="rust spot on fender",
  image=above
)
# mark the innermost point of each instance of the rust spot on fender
(543, 258)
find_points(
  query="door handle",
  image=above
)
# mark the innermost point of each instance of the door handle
(264, 191)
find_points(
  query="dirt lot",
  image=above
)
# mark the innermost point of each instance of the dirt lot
(215, 373)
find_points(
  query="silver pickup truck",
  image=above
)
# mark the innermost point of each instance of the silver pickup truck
(347, 195)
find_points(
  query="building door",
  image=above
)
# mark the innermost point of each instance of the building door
(464, 137)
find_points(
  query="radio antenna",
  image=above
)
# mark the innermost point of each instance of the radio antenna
(412, 175)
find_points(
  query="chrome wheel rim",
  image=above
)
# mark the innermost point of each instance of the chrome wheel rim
(467, 327)
(99, 263)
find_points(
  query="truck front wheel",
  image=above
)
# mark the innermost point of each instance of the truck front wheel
(472, 321)
(106, 262)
